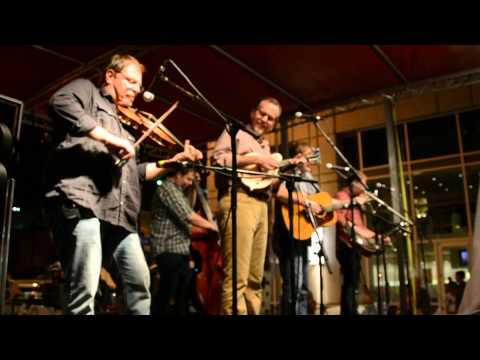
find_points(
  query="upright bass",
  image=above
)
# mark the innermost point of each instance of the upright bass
(209, 265)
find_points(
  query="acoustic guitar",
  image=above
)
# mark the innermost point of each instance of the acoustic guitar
(302, 225)
(256, 182)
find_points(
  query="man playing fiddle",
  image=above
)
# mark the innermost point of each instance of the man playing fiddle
(96, 203)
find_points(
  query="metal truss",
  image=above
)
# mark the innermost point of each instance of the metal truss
(394, 94)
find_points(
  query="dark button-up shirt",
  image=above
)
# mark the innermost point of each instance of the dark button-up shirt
(83, 170)
(171, 230)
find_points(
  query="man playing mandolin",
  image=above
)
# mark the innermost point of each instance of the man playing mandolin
(252, 210)
(95, 203)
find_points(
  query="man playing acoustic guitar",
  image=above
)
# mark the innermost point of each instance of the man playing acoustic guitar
(304, 199)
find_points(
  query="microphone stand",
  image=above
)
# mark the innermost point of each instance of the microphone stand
(377, 264)
(232, 126)
(353, 236)
(426, 305)
(290, 258)
(356, 175)
(378, 235)
(380, 244)
(406, 261)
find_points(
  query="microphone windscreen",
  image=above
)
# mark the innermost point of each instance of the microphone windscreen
(148, 96)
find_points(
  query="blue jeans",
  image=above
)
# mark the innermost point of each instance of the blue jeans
(81, 253)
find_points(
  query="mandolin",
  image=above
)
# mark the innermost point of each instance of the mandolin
(256, 182)
(364, 246)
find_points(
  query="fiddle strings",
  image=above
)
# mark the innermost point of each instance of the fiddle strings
(156, 124)
(120, 162)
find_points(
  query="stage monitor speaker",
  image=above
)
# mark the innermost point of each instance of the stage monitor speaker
(11, 113)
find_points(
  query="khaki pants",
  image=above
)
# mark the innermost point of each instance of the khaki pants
(252, 231)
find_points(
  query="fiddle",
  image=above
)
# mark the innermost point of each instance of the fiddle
(142, 121)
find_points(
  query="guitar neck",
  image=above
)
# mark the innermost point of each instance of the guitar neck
(336, 206)
(286, 162)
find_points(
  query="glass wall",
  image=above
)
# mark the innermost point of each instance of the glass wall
(441, 168)
(441, 159)
(439, 200)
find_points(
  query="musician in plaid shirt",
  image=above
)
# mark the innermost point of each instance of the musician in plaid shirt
(171, 238)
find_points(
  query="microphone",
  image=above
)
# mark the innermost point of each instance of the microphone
(163, 67)
(379, 185)
(148, 96)
(177, 164)
(343, 168)
(172, 164)
(299, 114)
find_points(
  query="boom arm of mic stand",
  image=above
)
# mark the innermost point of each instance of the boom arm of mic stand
(224, 169)
(200, 101)
(392, 210)
(339, 153)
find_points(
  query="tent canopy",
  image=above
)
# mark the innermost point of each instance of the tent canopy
(303, 77)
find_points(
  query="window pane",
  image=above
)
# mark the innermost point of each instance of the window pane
(429, 276)
(433, 137)
(375, 149)
(453, 265)
(440, 203)
(347, 144)
(392, 276)
(470, 128)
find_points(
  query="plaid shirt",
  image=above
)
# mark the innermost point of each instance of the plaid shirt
(171, 230)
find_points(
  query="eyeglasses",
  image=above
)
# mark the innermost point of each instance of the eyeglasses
(131, 81)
